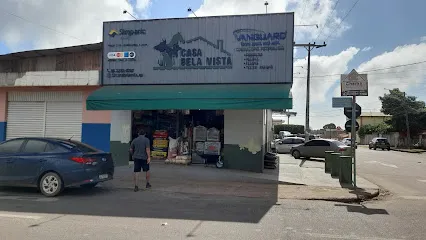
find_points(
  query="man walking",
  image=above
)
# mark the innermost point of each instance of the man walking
(140, 148)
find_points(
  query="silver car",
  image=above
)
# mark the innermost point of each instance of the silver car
(285, 145)
(348, 141)
(316, 148)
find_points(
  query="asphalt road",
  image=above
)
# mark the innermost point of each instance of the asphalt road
(108, 213)
(122, 214)
(403, 174)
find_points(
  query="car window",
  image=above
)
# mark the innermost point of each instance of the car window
(312, 143)
(34, 146)
(84, 148)
(298, 141)
(287, 141)
(12, 146)
(323, 143)
(55, 148)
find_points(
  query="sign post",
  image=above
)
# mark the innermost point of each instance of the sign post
(354, 84)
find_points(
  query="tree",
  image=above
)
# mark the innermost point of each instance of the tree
(365, 130)
(330, 126)
(381, 128)
(401, 108)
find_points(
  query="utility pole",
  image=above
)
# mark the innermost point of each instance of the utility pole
(309, 47)
(407, 123)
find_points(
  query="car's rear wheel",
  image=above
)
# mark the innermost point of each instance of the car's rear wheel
(50, 184)
(296, 154)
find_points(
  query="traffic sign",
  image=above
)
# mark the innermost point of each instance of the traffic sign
(348, 111)
(341, 102)
(348, 126)
(354, 84)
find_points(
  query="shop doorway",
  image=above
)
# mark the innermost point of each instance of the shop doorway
(182, 136)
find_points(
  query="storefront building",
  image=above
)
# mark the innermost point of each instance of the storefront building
(183, 79)
(201, 87)
(43, 94)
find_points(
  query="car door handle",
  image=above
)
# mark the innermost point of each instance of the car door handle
(43, 160)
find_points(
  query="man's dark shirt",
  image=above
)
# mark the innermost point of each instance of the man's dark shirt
(139, 146)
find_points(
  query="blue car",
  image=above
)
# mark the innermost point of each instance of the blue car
(52, 164)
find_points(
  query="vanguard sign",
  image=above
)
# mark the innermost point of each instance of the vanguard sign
(227, 49)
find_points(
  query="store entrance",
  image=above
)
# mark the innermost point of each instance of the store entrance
(182, 136)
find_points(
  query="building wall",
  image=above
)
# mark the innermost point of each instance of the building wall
(371, 120)
(50, 78)
(3, 113)
(244, 139)
(95, 124)
(76, 61)
(120, 136)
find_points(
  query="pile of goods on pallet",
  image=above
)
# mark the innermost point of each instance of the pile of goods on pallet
(160, 144)
(179, 149)
(271, 160)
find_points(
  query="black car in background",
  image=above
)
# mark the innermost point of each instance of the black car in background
(382, 143)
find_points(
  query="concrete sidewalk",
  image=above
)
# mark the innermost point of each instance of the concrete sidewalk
(290, 181)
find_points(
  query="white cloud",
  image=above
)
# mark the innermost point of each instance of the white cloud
(366, 49)
(76, 19)
(404, 78)
(401, 77)
(321, 112)
(313, 12)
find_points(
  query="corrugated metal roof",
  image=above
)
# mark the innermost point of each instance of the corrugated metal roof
(51, 52)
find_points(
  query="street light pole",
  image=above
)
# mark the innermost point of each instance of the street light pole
(266, 6)
(309, 47)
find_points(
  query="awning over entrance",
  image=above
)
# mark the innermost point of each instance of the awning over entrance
(209, 96)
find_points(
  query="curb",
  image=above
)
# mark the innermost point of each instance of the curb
(408, 151)
(361, 198)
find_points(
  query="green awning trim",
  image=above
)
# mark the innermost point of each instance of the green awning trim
(209, 96)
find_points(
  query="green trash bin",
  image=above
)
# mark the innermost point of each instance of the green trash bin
(335, 166)
(345, 175)
(328, 161)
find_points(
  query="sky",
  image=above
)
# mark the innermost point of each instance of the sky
(376, 37)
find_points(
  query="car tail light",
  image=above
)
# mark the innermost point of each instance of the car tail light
(83, 160)
(342, 149)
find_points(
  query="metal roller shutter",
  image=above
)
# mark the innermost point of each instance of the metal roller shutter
(63, 120)
(25, 119)
(44, 114)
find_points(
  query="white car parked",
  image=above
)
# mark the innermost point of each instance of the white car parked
(285, 145)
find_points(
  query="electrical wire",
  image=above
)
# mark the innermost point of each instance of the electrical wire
(343, 19)
(327, 20)
(374, 70)
(303, 11)
(44, 26)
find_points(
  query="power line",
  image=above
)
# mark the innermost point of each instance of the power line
(303, 11)
(44, 26)
(327, 20)
(343, 19)
(377, 69)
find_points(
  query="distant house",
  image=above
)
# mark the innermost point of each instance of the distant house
(372, 118)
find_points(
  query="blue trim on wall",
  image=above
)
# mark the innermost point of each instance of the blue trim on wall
(96, 135)
(3, 131)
